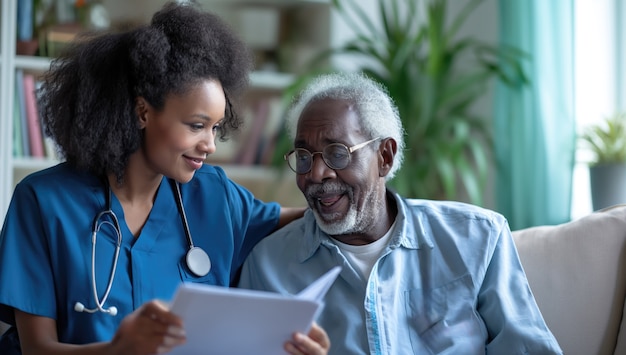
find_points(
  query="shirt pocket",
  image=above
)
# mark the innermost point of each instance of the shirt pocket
(443, 320)
(187, 276)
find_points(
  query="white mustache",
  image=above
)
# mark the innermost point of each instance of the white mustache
(313, 191)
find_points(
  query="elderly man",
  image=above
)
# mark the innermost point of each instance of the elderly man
(419, 276)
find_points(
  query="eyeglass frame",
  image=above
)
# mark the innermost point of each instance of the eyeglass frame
(350, 150)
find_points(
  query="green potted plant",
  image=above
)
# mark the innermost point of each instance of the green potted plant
(434, 77)
(606, 140)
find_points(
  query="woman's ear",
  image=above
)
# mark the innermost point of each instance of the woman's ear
(386, 152)
(141, 109)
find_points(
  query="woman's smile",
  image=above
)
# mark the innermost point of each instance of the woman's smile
(194, 163)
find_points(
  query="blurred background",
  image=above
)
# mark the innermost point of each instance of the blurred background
(514, 105)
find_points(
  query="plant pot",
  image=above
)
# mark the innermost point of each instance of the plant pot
(26, 47)
(608, 185)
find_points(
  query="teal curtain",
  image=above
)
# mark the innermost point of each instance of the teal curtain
(534, 125)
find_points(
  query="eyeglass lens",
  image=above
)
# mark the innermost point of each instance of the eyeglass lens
(336, 156)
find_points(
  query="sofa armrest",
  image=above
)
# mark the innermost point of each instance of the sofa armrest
(576, 272)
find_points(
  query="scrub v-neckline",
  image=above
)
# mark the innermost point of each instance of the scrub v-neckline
(162, 212)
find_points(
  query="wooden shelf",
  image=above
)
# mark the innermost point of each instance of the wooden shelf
(270, 80)
(40, 64)
(33, 164)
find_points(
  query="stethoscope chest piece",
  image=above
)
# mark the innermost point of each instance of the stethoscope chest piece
(198, 261)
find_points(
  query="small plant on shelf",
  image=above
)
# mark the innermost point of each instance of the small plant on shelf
(607, 140)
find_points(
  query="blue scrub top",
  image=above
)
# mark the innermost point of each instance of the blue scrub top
(45, 246)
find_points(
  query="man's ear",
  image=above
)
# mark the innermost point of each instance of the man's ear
(386, 152)
(141, 109)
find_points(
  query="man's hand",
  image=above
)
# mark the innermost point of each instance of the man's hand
(316, 343)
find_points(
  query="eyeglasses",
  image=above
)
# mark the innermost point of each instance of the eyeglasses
(336, 155)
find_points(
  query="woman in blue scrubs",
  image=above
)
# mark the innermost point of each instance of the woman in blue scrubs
(135, 115)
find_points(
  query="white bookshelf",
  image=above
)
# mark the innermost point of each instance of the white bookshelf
(8, 11)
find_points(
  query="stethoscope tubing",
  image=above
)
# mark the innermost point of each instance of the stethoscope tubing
(118, 246)
(181, 210)
(198, 261)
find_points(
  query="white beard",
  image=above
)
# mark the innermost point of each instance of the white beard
(344, 225)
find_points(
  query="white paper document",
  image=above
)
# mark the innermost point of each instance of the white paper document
(220, 320)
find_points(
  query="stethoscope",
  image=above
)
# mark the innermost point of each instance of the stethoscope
(197, 259)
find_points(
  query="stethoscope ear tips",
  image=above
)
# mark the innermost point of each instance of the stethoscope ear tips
(79, 307)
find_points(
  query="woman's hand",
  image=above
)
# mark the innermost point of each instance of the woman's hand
(316, 343)
(151, 329)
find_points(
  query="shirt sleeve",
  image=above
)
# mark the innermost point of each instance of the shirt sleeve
(255, 219)
(26, 273)
(506, 303)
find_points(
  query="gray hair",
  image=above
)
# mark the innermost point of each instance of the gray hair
(377, 111)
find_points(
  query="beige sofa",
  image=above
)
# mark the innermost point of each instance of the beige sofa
(577, 272)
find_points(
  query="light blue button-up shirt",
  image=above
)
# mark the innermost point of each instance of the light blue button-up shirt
(449, 282)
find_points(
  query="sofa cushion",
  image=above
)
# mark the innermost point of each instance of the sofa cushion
(576, 271)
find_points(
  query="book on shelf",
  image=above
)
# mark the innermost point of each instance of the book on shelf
(249, 147)
(25, 18)
(32, 117)
(21, 107)
(49, 147)
(18, 151)
(273, 129)
(29, 139)
(259, 140)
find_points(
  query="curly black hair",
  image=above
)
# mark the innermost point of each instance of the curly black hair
(87, 98)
